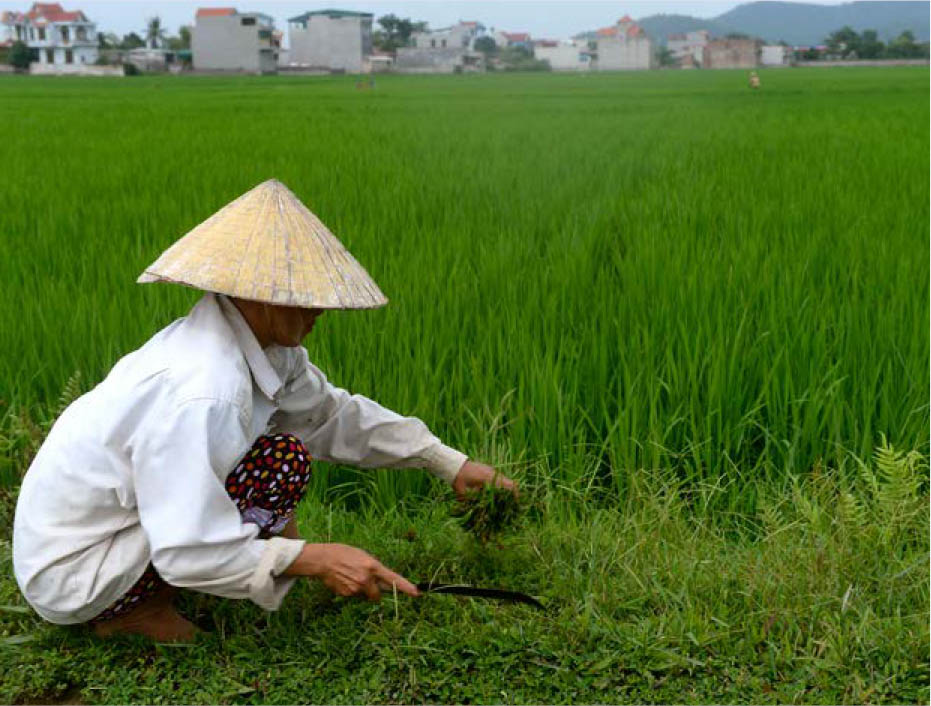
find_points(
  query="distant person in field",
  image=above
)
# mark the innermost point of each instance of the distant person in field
(754, 80)
(182, 469)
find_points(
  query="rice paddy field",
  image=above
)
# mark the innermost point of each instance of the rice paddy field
(691, 319)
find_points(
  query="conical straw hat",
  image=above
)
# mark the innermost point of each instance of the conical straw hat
(268, 247)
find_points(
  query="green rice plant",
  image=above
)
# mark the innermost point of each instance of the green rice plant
(613, 271)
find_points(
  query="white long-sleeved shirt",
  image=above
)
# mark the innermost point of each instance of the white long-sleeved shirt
(134, 470)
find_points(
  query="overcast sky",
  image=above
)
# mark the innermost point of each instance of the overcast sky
(548, 18)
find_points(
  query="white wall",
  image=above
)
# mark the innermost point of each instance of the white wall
(223, 43)
(564, 57)
(625, 54)
(74, 70)
(339, 43)
(775, 55)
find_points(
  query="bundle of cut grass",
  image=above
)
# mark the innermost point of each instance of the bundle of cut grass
(488, 512)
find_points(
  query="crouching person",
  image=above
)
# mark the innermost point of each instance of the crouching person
(183, 468)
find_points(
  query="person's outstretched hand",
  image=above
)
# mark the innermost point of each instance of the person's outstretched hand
(348, 571)
(475, 476)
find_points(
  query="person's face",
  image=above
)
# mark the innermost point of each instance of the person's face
(288, 325)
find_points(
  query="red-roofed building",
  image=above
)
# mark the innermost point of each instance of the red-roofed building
(624, 46)
(62, 39)
(513, 39)
(215, 11)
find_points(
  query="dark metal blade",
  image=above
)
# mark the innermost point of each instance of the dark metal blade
(496, 593)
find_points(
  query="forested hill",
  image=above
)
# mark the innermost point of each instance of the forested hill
(801, 23)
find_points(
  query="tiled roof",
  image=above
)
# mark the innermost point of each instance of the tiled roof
(607, 31)
(215, 11)
(53, 12)
(625, 19)
(517, 36)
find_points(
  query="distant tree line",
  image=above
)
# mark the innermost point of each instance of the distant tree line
(846, 43)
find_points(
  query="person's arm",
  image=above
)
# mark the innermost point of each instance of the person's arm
(197, 539)
(352, 429)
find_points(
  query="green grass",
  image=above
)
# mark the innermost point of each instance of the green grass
(680, 311)
(820, 598)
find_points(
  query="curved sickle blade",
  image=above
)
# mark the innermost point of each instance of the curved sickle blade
(460, 590)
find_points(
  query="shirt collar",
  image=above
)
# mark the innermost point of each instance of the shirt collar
(263, 372)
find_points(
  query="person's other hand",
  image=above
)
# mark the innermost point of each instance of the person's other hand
(348, 571)
(475, 476)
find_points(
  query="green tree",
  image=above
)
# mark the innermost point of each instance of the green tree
(520, 59)
(182, 41)
(132, 41)
(395, 32)
(665, 57)
(905, 47)
(154, 32)
(487, 46)
(844, 41)
(20, 56)
(871, 47)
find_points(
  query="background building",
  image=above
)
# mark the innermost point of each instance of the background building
(565, 55)
(732, 54)
(774, 55)
(337, 40)
(459, 36)
(624, 47)
(446, 50)
(688, 44)
(513, 39)
(226, 40)
(63, 41)
(12, 28)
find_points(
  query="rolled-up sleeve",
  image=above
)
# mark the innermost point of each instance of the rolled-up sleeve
(196, 534)
(338, 426)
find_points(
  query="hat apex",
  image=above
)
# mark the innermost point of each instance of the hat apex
(267, 246)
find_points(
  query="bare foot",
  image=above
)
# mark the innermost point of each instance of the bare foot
(156, 619)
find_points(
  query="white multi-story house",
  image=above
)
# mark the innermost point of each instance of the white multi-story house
(459, 36)
(224, 39)
(335, 40)
(624, 47)
(447, 50)
(58, 37)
